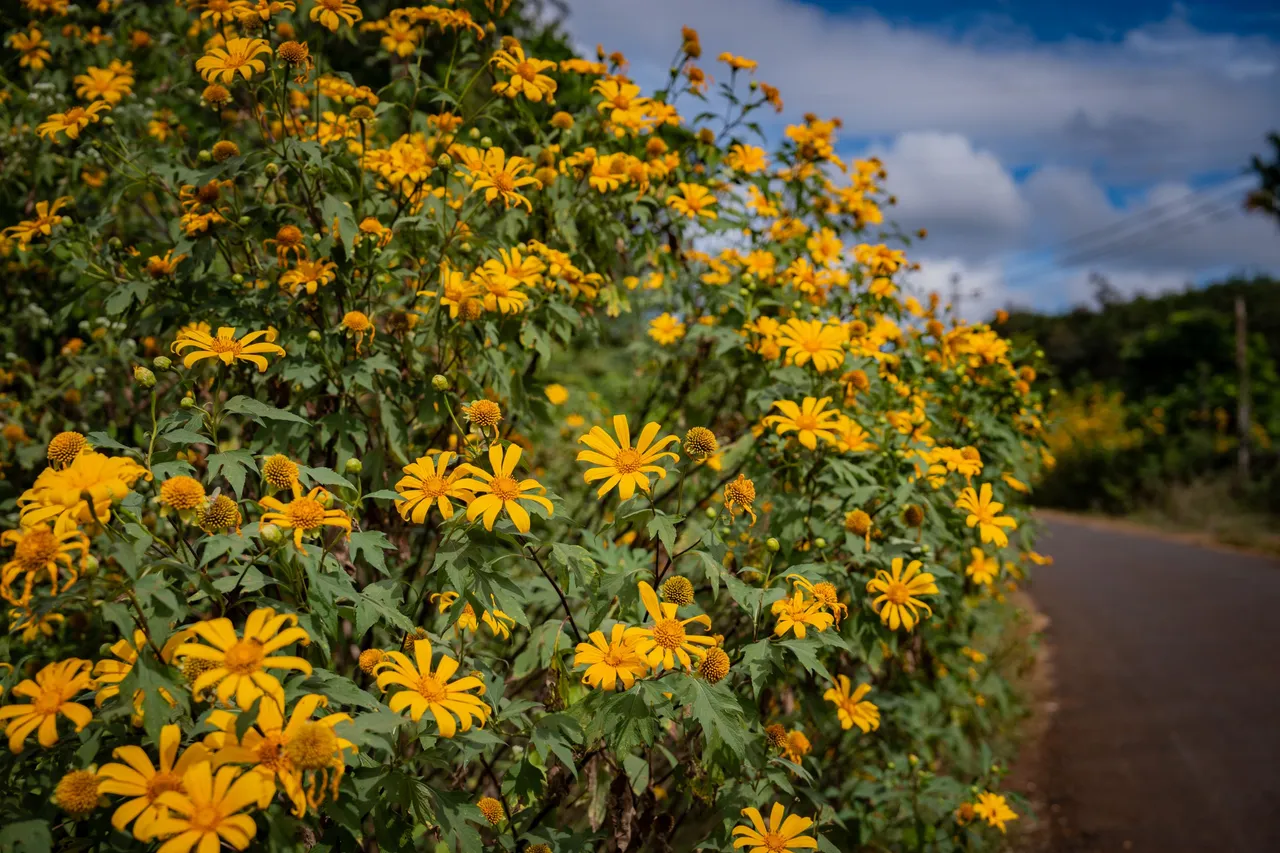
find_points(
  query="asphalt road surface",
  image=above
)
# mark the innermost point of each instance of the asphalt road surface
(1167, 667)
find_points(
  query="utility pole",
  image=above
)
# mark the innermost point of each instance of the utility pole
(1242, 371)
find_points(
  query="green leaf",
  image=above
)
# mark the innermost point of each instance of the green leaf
(260, 412)
(235, 465)
(185, 437)
(553, 734)
(717, 710)
(664, 529)
(246, 718)
(757, 660)
(102, 441)
(628, 722)
(340, 690)
(371, 543)
(28, 836)
(326, 477)
(381, 601)
(806, 651)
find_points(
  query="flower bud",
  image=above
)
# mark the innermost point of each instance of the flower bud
(486, 142)
(474, 133)
(773, 544)
(353, 466)
(271, 533)
(710, 512)
(162, 362)
(314, 336)
(271, 170)
(143, 376)
(440, 382)
(205, 155)
(187, 402)
(819, 542)
(237, 279)
(444, 161)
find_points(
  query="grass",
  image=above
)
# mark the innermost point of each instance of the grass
(1212, 508)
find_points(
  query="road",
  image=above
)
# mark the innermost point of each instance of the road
(1167, 734)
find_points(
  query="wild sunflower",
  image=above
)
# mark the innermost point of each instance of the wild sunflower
(693, 200)
(824, 592)
(49, 696)
(425, 690)
(813, 340)
(498, 490)
(781, 835)
(34, 49)
(47, 217)
(526, 75)
(797, 613)
(226, 347)
(305, 514)
(42, 549)
(612, 661)
(740, 496)
(82, 492)
(810, 420)
(666, 329)
(303, 756)
(498, 622)
(208, 810)
(982, 569)
(289, 240)
(667, 640)
(143, 782)
(330, 14)
(994, 809)
(107, 84)
(241, 663)
(851, 707)
(618, 463)
(309, 276)
(983, 513)
(851, 437)
(426, 483)
(898, 602)
(502, 177)
(221, 64)
(72, 121)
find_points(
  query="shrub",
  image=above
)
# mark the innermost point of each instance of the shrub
(417, 438)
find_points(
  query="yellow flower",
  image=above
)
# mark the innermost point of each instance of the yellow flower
(502, 176)
(618, 463)
(994, 809)
(983, 513)
(34, 49)
(797, 613)
(851, 437)
(738, 63)
(308, 275)
(304, 514)
(612, 661)
(740, 495)
(77, 793)
(667, 640)
(556, 394)
(182, 492)
(693, 200)
(49, 696)
(33, 626)
(107, 674)
(1015, 484)
(426, 483)
(72, 121)
(110, 84)
(497, 491)
(226, 347)
(666, 329)
(331, 13)
(810, 420)
(280, 471)
(812, 340)
(143, 782)
(425, 690)
(746, 158)
(42, 549)
(305, 757)
(42, 226)
(982, 569)
(898, 602)
(221, 64)
(526, 75)
(852, 708)
(103, 480)
(780, 836)
(825, 593)
(499, 623)
(241, 663)
(159, 267)
(208, 810)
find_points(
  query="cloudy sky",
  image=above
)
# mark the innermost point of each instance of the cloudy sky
(1038, 142)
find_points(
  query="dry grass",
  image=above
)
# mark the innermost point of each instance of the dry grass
(1212, 509)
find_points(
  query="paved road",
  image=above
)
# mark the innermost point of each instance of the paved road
(1167, 736)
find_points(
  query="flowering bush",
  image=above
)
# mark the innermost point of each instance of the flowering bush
(416, 437)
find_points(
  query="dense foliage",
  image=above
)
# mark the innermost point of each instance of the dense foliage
(417, 438)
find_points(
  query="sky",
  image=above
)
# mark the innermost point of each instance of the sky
(1039, 143)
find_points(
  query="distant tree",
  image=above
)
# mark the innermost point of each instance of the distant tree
(1266, 198)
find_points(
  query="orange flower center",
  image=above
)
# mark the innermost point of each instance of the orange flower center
(806, 421)
(204, 818)
(434, 487)
(225, 345)
(669, 634)
(332, 5)
(897, 593)
(505, 487)
(614, 657)
(244, 657)
(432, 689)
(527, 71)
(162, 782)
(36, 550)
(270, 754)
(504, 183)
(47, 703)
(312, 747)
(813, 345)
(825, 593)
(775, 843)
(627, 461)
(305, 513)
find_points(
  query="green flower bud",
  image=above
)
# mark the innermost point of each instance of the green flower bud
(710, 512)
(187, 402)
(271, 170)
(162, 362)
(819, 542)
(143, 376)
(237, 279)
(271, 533)
(474, 133)
(205, 155)
(108, 121)
(314, 336)
(440, 382)
(444, 161)
(353, 466)
(773, 544)
(244, 220)
(486, 142)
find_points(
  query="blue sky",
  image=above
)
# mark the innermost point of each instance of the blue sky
(1038, 142)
